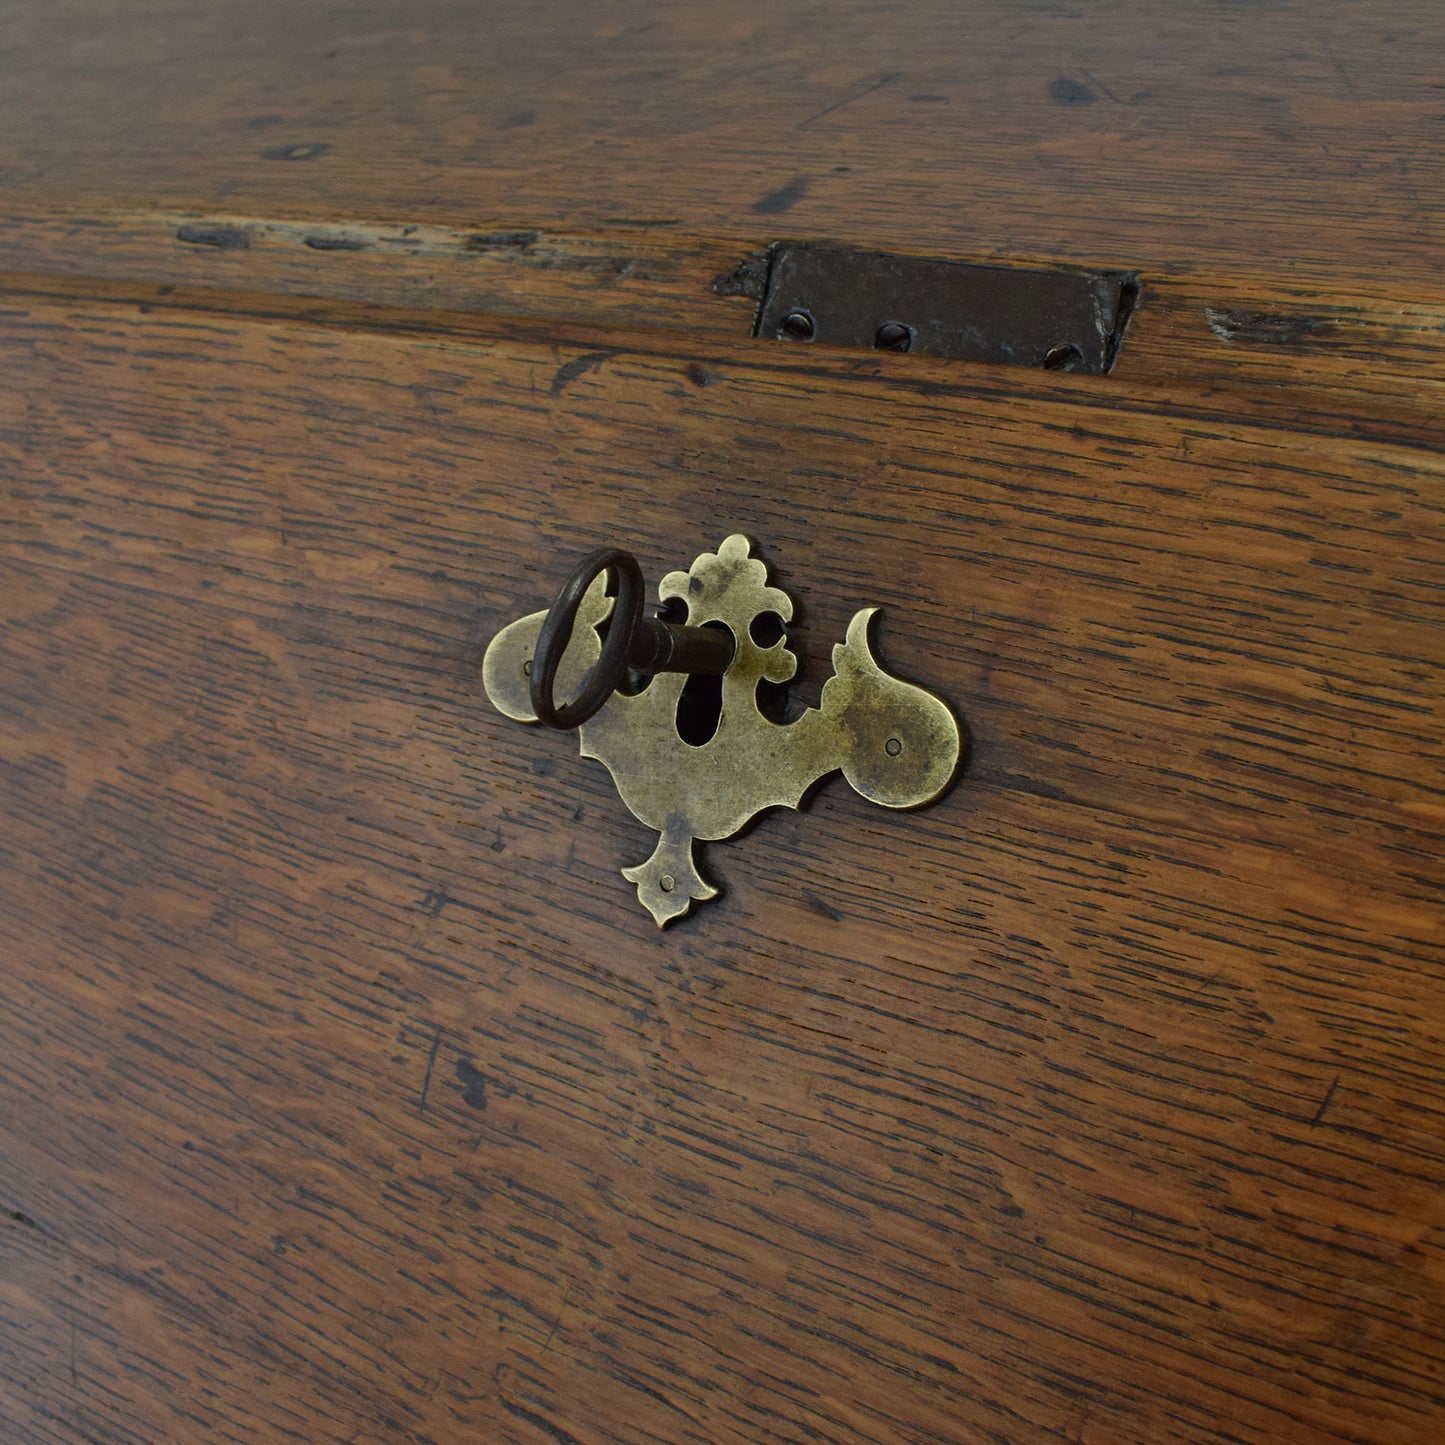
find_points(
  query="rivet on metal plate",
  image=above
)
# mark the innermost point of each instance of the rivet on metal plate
(896, 744)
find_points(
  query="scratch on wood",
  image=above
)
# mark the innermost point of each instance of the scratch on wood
(431, 1059)
(824, 910)
(850, 100)
(1326, 1101)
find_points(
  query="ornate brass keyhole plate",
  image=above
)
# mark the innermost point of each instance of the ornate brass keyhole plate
(897, 744)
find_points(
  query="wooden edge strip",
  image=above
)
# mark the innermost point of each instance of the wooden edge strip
(1367, 360)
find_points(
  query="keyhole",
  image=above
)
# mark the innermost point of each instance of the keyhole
(699, 707)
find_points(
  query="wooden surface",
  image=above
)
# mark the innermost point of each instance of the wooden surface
(350, 1096)
(1274, 172)
(359, 1100)
(1277, 138)
(1303, 354)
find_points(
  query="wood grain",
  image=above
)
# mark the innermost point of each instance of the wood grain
(1273, 172)
(1281, 140)
(355, 1099)
(350, 1096)
(1307, 354)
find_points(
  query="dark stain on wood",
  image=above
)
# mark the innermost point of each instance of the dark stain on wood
(220, 238)
(473, 1084)
(776, 203)
(1265, 329)
(330, 241)
(1070, 92)
(569, 371)
(502, 241)
(306, 151)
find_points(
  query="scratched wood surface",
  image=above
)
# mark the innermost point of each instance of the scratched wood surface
(350, 1096)
(1279, 138)
(348, 1093)
(1303, 353)
(1275, 172)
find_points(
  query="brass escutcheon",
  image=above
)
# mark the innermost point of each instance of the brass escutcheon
(896, 744)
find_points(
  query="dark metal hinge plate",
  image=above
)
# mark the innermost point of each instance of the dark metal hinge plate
(1065, 320)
